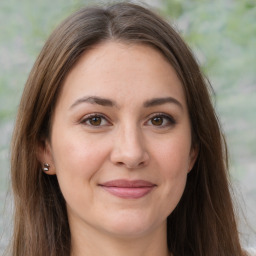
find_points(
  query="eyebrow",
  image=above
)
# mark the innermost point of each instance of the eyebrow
(161, 101)
(94, 100)
(109, 103)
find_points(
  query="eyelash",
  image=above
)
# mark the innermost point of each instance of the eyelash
(89, 118)
(170, 121)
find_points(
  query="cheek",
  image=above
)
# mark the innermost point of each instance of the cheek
(173, 158)
(78, 161)
(78, 154)
(174, 165)
(173, 155)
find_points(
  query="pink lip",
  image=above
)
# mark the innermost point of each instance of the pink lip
(129, 189)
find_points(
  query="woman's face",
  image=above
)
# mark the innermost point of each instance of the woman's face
(121, 141)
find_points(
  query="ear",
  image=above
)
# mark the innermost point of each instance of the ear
(45, 156)
(193, 156)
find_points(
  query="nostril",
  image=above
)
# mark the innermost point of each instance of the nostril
(141, 163)
(130, 157)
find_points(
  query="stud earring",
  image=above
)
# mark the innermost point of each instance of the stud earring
(46, 167)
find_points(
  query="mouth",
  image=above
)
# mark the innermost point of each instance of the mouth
(128, 189)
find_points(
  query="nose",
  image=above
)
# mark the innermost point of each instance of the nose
(129, 149)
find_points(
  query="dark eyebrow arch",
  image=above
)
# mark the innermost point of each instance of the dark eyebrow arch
(110, 103)
(94, 100)
(161, 101)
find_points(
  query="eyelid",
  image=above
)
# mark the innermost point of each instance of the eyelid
(91, 115)
(169, 117)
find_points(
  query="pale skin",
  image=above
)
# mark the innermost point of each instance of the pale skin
(121, 114)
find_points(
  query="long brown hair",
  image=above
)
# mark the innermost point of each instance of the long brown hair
(203, 223)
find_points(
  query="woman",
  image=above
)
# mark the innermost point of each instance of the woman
(117, 149)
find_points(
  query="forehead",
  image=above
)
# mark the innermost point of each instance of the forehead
(122, 71)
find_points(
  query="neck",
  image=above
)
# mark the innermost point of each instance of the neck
(91, 242)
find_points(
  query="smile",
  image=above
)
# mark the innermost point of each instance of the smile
(128, 189)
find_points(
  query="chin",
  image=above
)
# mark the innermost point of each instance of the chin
(131, 225)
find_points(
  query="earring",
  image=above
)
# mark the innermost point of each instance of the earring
(46, 167)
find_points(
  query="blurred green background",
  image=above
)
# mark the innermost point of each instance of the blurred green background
(222, 35)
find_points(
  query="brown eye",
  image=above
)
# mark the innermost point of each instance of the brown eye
(95, 121)
(161, 121)
(157, 121)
